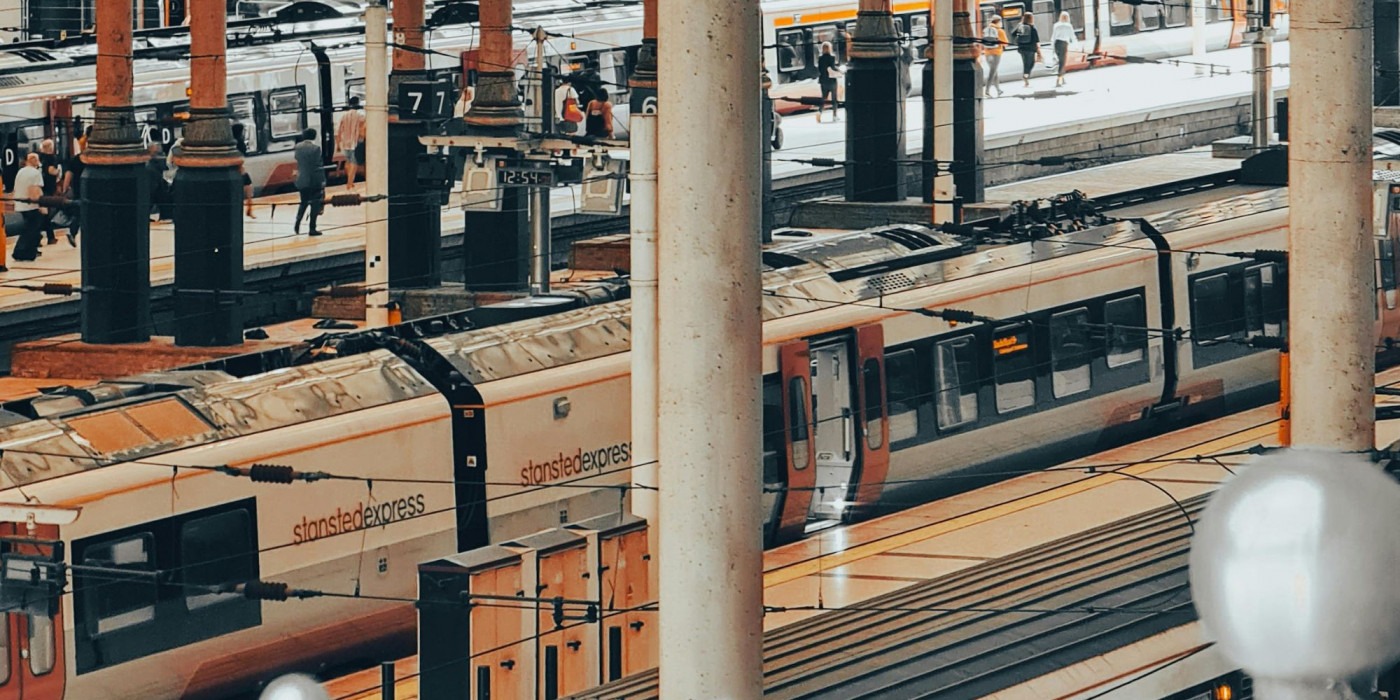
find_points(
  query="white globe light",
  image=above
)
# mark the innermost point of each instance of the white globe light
(295, 686)
(1294, 567)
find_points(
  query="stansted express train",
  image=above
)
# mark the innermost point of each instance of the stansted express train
(278, 85)
(447, 440)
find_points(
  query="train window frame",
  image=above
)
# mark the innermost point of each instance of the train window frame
(798, 429)
(1176, 14)
(173, 625)
(1125, 348)
(1008, 377)
(49, 642)
(798, 61)
(873, 408)
(299, 93)
(1149, 17)
(902, 396)
(960, 389)
(1071, 373)
(1124, 24)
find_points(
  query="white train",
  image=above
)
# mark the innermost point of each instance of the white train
(279, 85)
(443, 441)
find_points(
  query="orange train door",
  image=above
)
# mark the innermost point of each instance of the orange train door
(874, 430)
(795, 368)
(31, 640)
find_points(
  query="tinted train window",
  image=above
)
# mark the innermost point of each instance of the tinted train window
(1071, 351)
(214, 551)
(792, 50)
(955, 374)
(1126, 337)
(903, 397)
(1216, 317)
(772, 431)
(874, 403)
(1263, 301)
(797, 421)
(119, 603)
(285, 109)
(1014, 365)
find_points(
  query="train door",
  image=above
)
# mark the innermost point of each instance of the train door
(874, 421)
(800, 452)
(31, 638)
(1387, 237)
(834, 432)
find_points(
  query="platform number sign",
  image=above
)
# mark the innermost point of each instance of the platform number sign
(426, 100)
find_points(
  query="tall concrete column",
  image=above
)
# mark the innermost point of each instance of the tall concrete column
(415, 220)
(967, 105)
(645, 352)
(1262, 102)
(1330, 276)
(116, 198)
(643, 79)
(376, 165)
(496, 244)
(208, 196)
(711, 549)
(875, 108)
(1387, 82)
(938, 187)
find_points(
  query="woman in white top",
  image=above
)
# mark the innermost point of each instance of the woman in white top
(1063, 35)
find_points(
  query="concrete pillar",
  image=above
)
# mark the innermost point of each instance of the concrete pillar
(938, 184)
(643, 79)
(645, 352)
(967, 105)
(496, 247)
(766, 116)
(376, 165)
(116, 198)
(415, 220)
(1387, 84)
(1330, 277)
(875, 108)
(709, 183)
(208, 196)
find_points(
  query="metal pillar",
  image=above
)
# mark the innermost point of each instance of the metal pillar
(938, 184)
(540, 254)
(645, 351)
(709, 183)
(208, 196)
(1387, 84)
(1262, 99)
(415, 221)
(376, 165)
(496, 247)
(875, 108)
(967, 106)
(1330, 277)
(116, 198)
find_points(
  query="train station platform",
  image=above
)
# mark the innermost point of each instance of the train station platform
(1101, 115)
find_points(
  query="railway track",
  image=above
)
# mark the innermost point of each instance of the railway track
(987, 628)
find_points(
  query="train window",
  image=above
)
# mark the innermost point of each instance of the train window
(1070, 353)
(792, 50)
(903, 398)
(772, 431)
(286, 113)
(874, 403)
(1014, 365)
(1122, 19)
(1385, 255)
(1263, 307)
(822, 35)
(612, 65)
(244, 110)
(1216, 11)
(355, 87)
(1176, 14)
(955, 372)
(41, 644)
(1044, 11)
(1216, 318)
(797, 421)
(1126, 338)
(918, 29)
(121, 603)
(1149, 17)
(214, 551)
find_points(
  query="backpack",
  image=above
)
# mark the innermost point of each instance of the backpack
(990, 35)
(1024, 38)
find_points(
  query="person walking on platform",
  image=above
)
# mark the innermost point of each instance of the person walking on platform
(599, 122)
(349, 137)
(52, 171)
(310, 181)
(827, 74)
(240, 140)
(1027, 41)
(1063, 35)
(29, 184)
(993, 43)
(72, 188)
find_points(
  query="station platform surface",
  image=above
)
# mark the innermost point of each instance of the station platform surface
(1125, 94)
(844, 566)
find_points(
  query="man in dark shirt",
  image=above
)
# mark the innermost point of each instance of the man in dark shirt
(73, 186)
(311, 180)
(51, 170)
